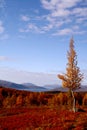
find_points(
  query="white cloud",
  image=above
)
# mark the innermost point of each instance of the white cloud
(25, 18)
(59, 4)
(31, 27)
(36, 11)
(1, 27)
(4, 58)
(81, 20)
(22, 30)
(61, 14)
(80, 32)
(40, 79)
(27, 77)
(71, 31)
(80, 12)
(63, 32)
(4, 36)
(46, 4)
(61, 8)
(75, 27)
(0, 23)
(47, 27)
(2, 4)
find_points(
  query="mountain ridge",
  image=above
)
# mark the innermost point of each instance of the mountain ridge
(24, 86)
(34, 88)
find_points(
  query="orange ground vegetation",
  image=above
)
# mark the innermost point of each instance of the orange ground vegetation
(21, 110)
(42, 118)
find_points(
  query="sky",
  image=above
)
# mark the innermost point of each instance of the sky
(35, 36)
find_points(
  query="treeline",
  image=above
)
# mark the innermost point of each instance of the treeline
(16, 98)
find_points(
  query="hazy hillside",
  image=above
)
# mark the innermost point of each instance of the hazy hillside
(33, 87)
(25, 86)
(61, 89)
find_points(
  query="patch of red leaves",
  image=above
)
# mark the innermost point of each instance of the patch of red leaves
(41, 118)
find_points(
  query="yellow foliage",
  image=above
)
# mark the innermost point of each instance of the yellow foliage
(73, 77)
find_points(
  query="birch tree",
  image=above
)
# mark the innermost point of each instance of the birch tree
(73, 77)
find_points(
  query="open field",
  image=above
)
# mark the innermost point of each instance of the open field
(42, 118)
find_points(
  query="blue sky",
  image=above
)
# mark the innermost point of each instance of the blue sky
(35, 35)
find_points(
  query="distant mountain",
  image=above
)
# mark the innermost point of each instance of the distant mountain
(52, 86)
(29, 84)
(61, 89)
(82, 89)
(35, 88)
(8, 84)
(25, 86)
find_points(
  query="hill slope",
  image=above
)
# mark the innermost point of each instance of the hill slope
(25, 86)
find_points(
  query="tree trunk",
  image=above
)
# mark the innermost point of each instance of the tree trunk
(74, 107)
(71, 101)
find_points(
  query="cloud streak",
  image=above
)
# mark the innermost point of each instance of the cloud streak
(27, 77)
(3, 34)
(66, 31)
(1, 27)
(25, 18)
(4, 37)
(2, 9)
(40, 79)
(2, 4)
(32, 28)
(4, 58)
